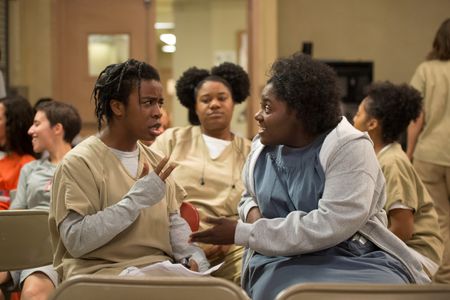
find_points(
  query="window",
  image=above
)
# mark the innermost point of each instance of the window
(106, 49)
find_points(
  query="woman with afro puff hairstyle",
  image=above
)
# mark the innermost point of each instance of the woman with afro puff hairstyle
(313, 206)
(209, 155)
(385, 113)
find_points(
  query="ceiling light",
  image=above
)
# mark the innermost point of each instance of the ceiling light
(168, 38)
(168, 48)
(164, 25)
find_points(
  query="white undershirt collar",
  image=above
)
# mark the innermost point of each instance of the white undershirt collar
(215, 145)
(129, 159)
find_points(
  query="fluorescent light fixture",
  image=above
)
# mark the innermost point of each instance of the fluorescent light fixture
(168, 48)
(164, 25)
(168, 38)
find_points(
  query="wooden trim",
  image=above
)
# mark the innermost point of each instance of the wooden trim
(263, 50)
(253, 67)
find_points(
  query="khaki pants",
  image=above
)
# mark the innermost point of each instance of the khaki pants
(437, 180)
(232, 267)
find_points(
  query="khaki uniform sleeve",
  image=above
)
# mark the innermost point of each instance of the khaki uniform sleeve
(175, 195)
(163, 143)
(74, 188)
(418, 80)
(399, 186)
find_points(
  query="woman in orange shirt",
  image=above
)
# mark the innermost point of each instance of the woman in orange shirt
(16, 116)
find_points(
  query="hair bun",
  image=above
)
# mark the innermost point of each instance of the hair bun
(236, 76)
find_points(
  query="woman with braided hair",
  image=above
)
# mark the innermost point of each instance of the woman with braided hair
(209, 155)
(113, 207)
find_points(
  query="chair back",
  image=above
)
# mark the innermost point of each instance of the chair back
(24, 239)
(89, 287)
(190, 214)
(324, 291)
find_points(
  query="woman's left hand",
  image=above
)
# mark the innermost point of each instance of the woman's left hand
(222, 233)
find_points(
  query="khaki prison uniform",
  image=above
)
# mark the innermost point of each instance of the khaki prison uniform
(89, 179)
(221, 192)
(432, 151)
(404, 185)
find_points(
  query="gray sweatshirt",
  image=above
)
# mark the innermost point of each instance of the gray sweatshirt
(352, 202)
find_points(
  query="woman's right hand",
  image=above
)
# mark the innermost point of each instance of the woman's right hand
(149, 189)
(158, 170)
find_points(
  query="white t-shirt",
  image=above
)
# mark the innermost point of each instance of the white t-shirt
(215, 146)
(130, 160)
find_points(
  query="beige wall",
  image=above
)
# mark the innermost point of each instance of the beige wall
(192, 49)
(396, 35)
(204, 27)
(30, 47)
(48, 51)
(74, 21)
(37, 50)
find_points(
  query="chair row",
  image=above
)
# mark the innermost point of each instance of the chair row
(89, 287)
(25, 237)
(25, 243)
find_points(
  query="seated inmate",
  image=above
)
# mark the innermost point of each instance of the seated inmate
(385, 113)
(113, 205)
(313, 206)
(209, 156)
(54, 127)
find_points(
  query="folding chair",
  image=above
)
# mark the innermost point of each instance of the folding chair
(325, 291)
(24, 239)
(89, 287)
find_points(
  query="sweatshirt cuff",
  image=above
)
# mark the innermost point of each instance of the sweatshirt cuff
(202, 262)
(242, 233)
(247, 208)
(148, 190)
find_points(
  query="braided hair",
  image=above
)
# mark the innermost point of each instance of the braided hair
(231, 75)
(395, 106)
(116, 82)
